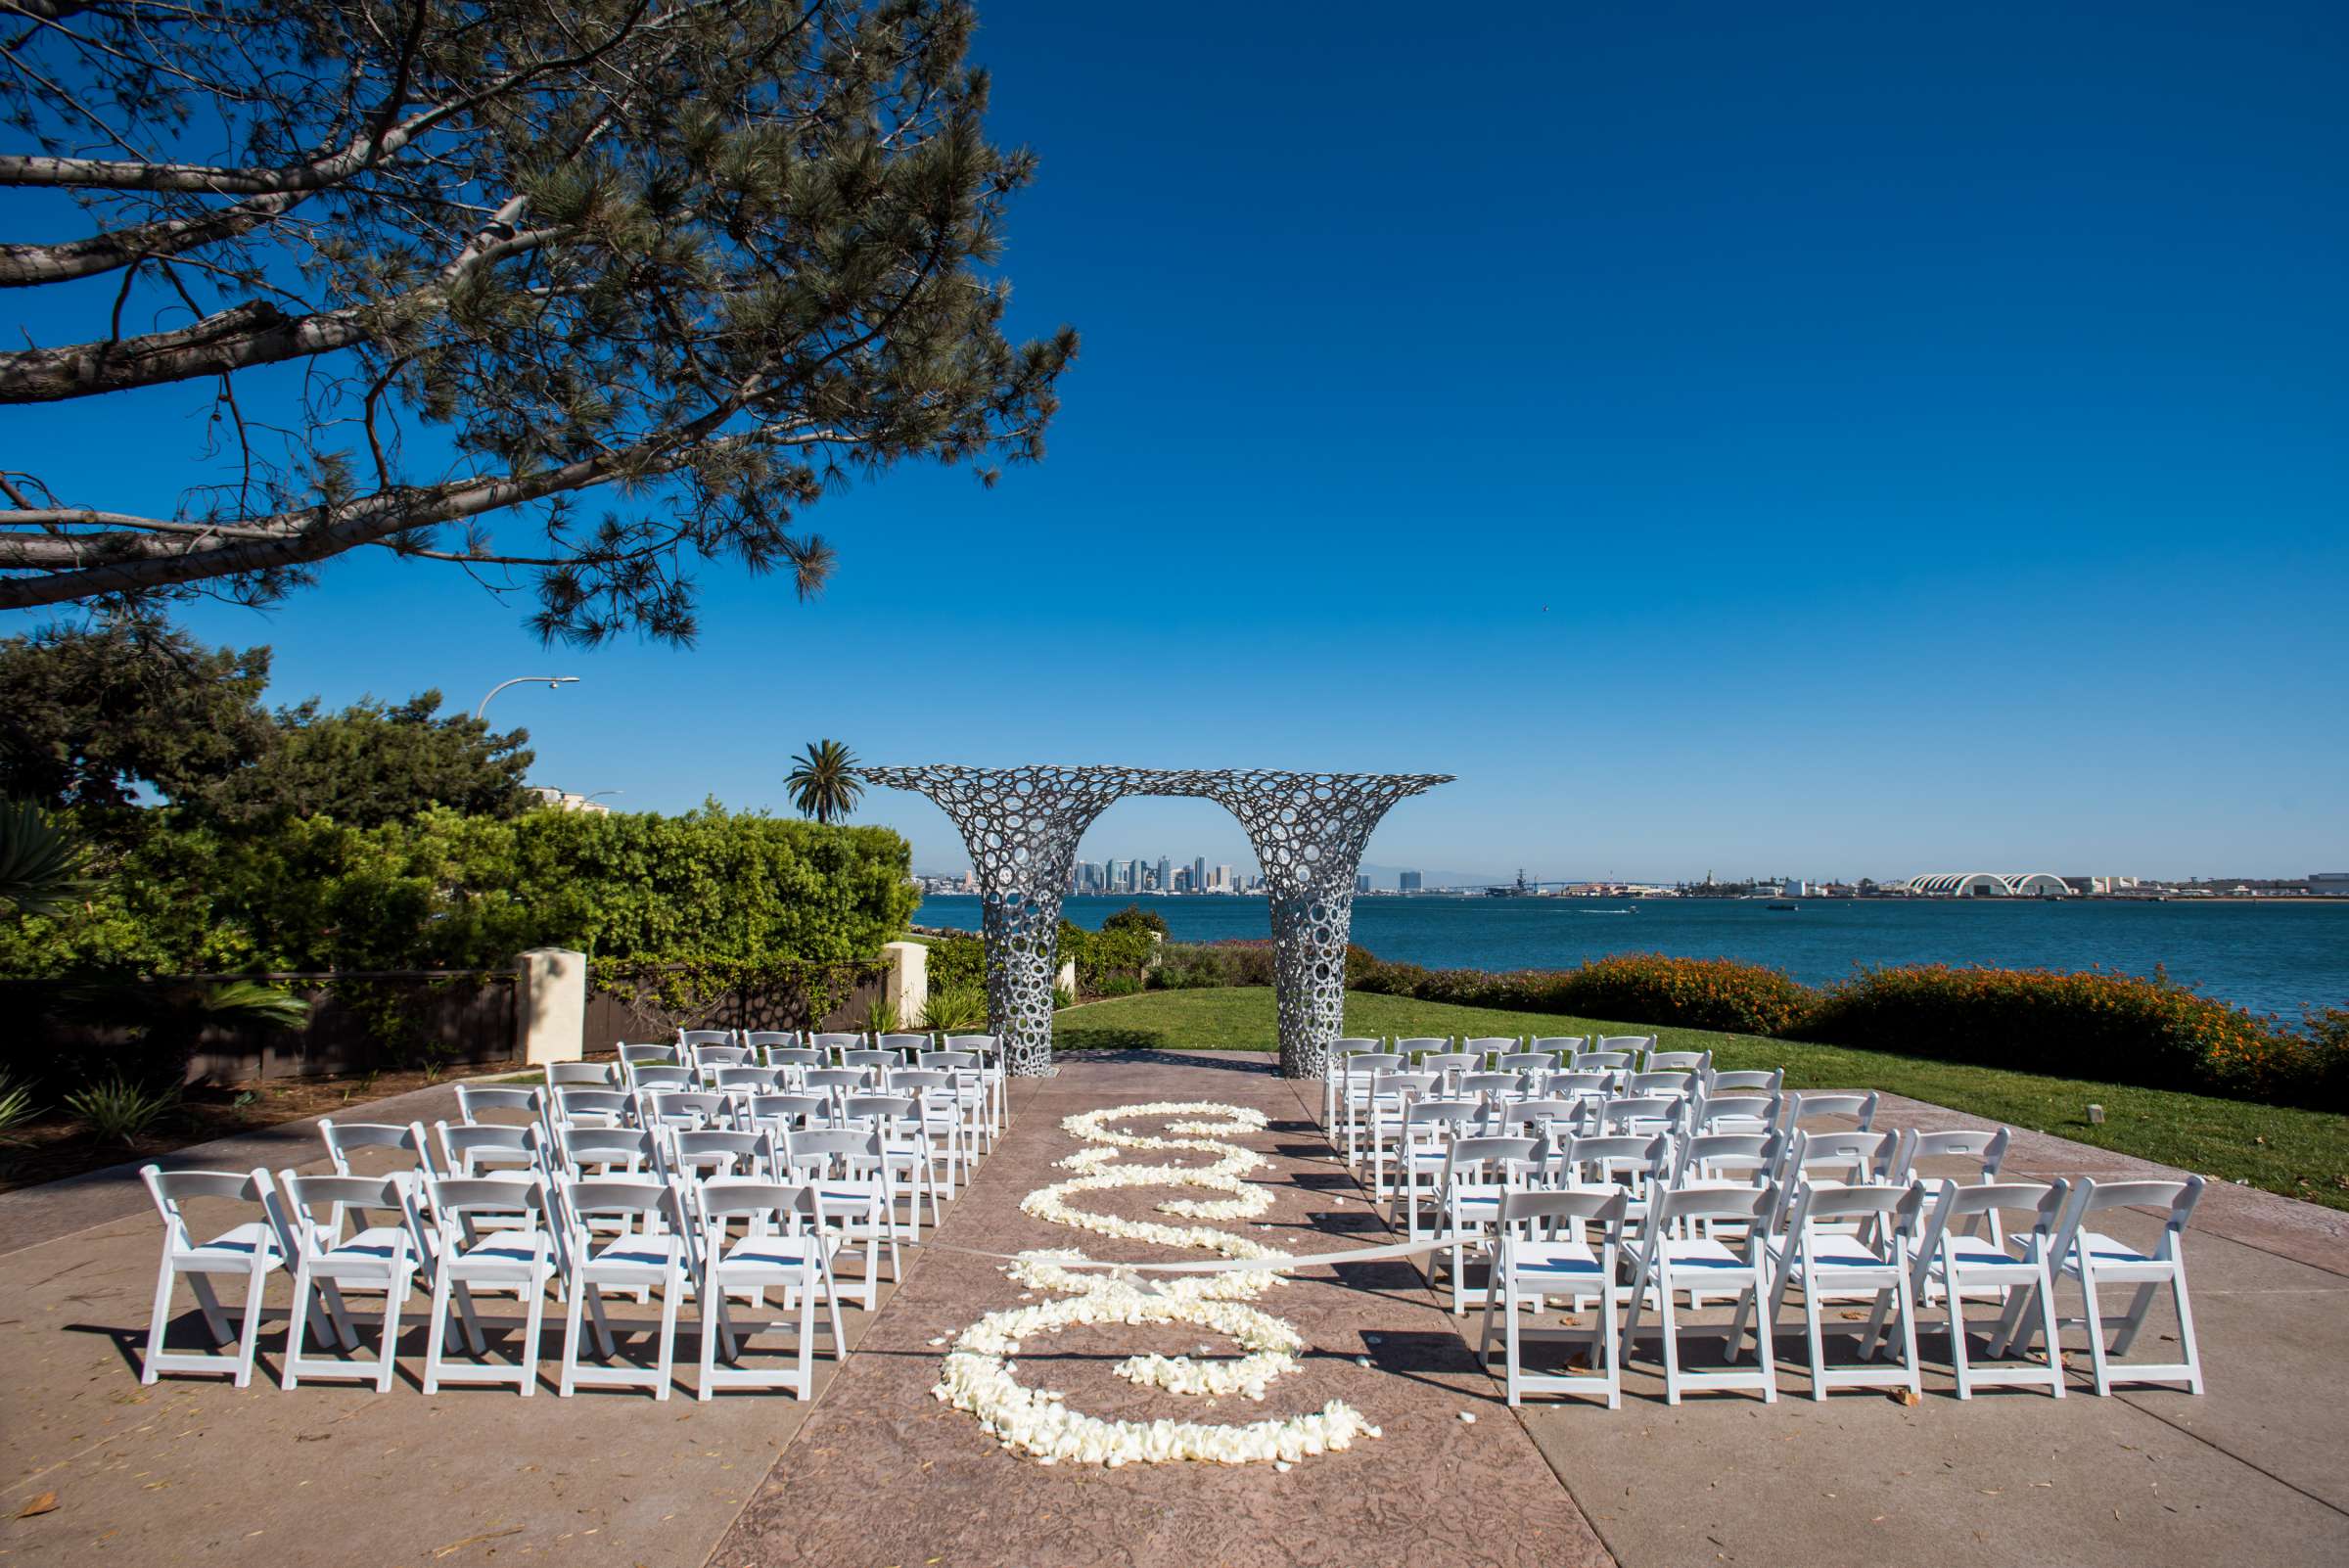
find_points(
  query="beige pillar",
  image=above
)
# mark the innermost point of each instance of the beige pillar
(1066, 980)
(550, 1005)
(907, 989)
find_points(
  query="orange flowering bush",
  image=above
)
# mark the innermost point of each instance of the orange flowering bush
(2093, 1024)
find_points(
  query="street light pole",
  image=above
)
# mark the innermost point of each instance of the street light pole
(552, 681)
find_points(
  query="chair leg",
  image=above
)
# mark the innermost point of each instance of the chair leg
(438, 1335)
(571, 1338)
(290, 1375)
(1878, 1316)
(1907, 1306)
(387, 1356)
(1607, 1336)
(806, 1389)
(249, 1337)
(1672, 1338)
(2138, 1305)
(2094, 1312)
(605, 1344)
(671, 1294)
(1766, 1345)
(1818, 1340)
(2192, 1353)
(158, 1320)
(531, 1321)
(2045, 1291)
(1512, 1343)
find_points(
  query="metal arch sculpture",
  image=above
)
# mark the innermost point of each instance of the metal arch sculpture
(1022, 824)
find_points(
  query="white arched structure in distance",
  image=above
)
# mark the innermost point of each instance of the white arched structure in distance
(1989, 884)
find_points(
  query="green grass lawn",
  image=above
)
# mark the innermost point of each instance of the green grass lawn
(2301, 1154)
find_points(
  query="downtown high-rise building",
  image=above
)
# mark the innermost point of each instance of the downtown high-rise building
(1361, 882)
(1409, 882)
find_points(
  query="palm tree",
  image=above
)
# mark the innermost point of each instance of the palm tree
(823, 782)
(41, 862)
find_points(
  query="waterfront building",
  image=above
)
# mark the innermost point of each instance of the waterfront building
(1361, 882)
(1409, 882)
(1988, 885)
(1199, 874)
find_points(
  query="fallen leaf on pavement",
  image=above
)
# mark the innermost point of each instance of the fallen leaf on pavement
(46, 1503)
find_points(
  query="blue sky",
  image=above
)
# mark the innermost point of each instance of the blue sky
(1831, 439)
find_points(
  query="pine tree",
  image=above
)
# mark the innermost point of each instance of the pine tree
(703, 260)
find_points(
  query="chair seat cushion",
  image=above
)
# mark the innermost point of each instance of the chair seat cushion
(1538, 1259)
(1700, 1252)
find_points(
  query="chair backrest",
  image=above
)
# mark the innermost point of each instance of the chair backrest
(704, 1152)
(747, 1080)
(610, 1195)
(1610, 1158)
(825, 1147)
(1804, 1104)
(648, 1056)
(464, 1150)
(1752, 1155)
(1758, 1108)
(581, 1074)
(795, 1056)
(1634, 1044)
(574, 1104)
(1540, 1115)
(476, 1100)
(1414, 1045)
(920, 1080)
(767, 1039)
(1483, 1046)
(1530, 1062)
(1698, 1062)
(1675, 1204)
(1578, 1084)
(1494, 1085)
(1985, 1148)
(1675, 1083)
(1600, 1061)
(722, 1198)
(2090, 1196)
(1894, 1209)
(708, 1058)
(659, 1075)
(1404, 1086)
(1485, 1157)
(1559, 1045)
(1744, 1081)
(780, 1111)
(1349, 1046)
(343, 1138)
(983, 1045)
(903, 1044)
(836, 1041)
(888, 1112)
(1364, 1066)
(455, 1197)
(2041, 1201)
(606, 1147)
(1450, 1061)
(1854, 1159)
(705, 1037)
(688, 1108)
(1618, 1115)
(1423, 1114)
(1539, 1213)
(870, 1058)
(171, 1189)
(323, 1201)
(968, 1061)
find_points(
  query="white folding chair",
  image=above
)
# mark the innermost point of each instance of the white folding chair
(1849, 1243)
(1476, 1173)
(785, 1247)
(1333, 1074)
(379, 1256)
(1698, 1062)
(766, 1041)
(1681, 1259)
(477, 1102)
(905, 1124)
(689, 1039)
(649, 1056)
(1541, 1252)
(1358, 1075)
(1423, 1131)
(1747, 1081)
(2094, 1259)
(856, 1197)
(1805, 1104)
(2018, 1271)
(581, 1075)
(989, 1049)
(252, 1251)
(666, 1077)
(519, 1258)
(1485, 1048)
(647, 1253)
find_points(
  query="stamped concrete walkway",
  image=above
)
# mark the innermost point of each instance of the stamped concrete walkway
(876, 1474)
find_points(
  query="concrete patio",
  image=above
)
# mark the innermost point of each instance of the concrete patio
(875, 1472)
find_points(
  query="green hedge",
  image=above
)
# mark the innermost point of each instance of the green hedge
(1108, 962)
(2093, 1024)
(444, 891)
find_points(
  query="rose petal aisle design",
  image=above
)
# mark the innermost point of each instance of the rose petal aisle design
(981, 1376)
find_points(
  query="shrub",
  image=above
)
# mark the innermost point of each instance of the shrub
(1133, 917)
(119, 1107)
(1693, 992)
(1192, 965)
(1119, 984)
(2093, 1024)
(957, 961)
(15, 1101)
(959, 1004)
(1123, 953)
(2329, 1058)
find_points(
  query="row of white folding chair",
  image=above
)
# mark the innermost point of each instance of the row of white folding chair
(1882, 1243)
(302, 1220)
(707, 1052)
